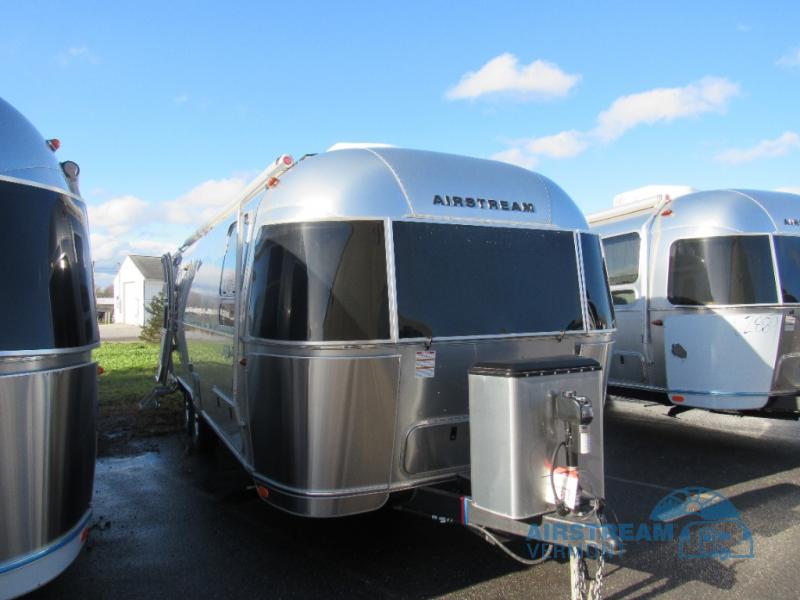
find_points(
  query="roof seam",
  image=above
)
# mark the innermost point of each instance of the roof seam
(396, 177)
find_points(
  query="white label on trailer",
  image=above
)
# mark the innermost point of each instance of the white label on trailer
(566, 484)
(425, 363)
(788, 324)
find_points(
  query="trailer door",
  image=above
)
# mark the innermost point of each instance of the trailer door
(168, 327)
(720, 346)
(721, 361)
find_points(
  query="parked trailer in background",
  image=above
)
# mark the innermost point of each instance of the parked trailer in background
(342, 322)
(706, 289)
(48, 382)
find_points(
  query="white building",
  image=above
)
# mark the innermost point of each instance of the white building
(138, 280)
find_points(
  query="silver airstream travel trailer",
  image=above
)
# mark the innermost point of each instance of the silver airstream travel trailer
(706, 288)
(342, 324)
(48, 381)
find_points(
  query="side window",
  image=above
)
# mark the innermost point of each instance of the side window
(622, 258)
(227, 280)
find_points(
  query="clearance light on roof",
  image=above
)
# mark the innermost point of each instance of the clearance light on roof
(54, 144)
(666, 213)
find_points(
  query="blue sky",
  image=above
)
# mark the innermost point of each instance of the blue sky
(169, 107)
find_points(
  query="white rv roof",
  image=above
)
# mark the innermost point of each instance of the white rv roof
(24, 153)
(739, 211)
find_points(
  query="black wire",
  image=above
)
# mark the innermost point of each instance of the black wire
(562, 509)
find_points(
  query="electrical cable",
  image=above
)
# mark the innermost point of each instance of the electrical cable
(520, 559)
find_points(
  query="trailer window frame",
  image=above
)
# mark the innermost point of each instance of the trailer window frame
(779, 270)
(578, 271)
(251, 269)
(770, 263)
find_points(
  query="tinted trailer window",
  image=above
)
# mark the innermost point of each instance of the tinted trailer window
(622, 256)
(467, 280)
(721, 270)
(46, 297)
(320, 281)
(601, 312)
(787, 250)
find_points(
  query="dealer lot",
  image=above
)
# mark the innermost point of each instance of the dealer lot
(175, 524)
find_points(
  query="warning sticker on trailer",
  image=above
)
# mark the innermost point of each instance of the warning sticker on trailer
(788, 324)
(426, 363)
(566, 483)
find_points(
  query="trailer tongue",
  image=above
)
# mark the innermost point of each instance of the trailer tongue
(522, 415)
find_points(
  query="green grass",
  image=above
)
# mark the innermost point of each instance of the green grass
(129, 372)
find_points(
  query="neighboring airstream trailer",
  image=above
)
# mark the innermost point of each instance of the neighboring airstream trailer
(48, 382)
(328, 320)
(706, 288)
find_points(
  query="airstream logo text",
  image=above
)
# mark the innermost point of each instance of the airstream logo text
(468, 202)
(795, 222)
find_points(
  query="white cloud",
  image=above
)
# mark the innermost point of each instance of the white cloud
(118, 215)
(203, 201)
(516, 156)
(790, 190)
(503, 75)
(764, 149)
(561, 145)
(710, 94)
(77, 54)
(790, 59)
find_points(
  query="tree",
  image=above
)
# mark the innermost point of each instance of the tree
(151, 332)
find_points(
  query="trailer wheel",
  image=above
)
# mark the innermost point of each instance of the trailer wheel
(188, 414)
(202, 435)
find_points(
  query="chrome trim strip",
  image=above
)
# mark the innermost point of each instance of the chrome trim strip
(584, 298)
(42, 186)
(49, 351)
(56, 545)
(717, 393)
(391, 280)
(344, 492)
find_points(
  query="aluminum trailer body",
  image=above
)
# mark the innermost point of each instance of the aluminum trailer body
(706, 289)
(326, 321)
(48, 381)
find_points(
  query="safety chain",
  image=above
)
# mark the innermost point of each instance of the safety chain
(582, 589)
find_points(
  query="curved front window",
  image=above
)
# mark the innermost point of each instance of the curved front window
(787, 251)
(733, 269)
(47, 297)
(598, 299)
(320, 281)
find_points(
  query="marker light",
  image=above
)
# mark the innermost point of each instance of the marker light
(666, 213)
(54, 144)
(263, 492)
(272, 182)
(677, 399)
(287, 160)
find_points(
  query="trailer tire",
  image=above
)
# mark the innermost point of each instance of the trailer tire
(202, 435)
(188, 414)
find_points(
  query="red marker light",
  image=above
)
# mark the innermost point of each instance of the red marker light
(272, 182)
(287, 160)
(100, 370)
(263, 492)
(84, 535)
(666, 213)
(677, 399)
(54, 144)
(657, 323)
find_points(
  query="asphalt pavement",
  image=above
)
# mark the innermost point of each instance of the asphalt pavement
(173, 524)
